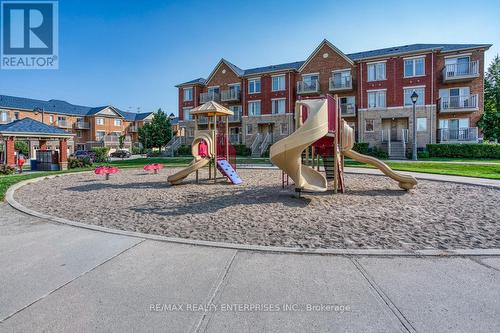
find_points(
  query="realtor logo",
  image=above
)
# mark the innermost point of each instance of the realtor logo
(29, 34)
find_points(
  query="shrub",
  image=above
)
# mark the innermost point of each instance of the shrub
(184, 150)
(469, 150)
(101, 154)
(153, 153)
(136, 150)
(360, 147)
(378, 153)
(242, 150)
(6, 170)
(75, 163)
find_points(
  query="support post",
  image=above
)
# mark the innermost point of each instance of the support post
(63, 154)
(10, 156)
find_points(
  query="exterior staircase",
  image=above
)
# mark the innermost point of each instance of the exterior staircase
(397, 151)
(172, 146)
(255, 147)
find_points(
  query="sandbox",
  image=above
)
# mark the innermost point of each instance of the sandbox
(373, 213)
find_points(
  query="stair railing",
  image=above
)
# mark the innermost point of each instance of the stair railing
(265, 143)
(255, 143)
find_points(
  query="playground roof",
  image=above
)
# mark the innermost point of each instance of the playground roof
(210, 109)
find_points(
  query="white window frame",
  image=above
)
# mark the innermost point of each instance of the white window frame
(117, 122)
(99, 137)
(376, 63)
(273, 109)
(414, 66)
(280, 76)
(287, 129)
(377, 106)
(184, 94)
(254, 80)
(373, 125)
(419, 120)
(421, 97)
(190, 117)
(260, 108)
(99, 121)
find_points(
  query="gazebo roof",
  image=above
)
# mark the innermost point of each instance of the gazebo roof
(28, 127)
(211, 109)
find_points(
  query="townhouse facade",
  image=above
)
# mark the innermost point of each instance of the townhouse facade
(92, 126)
(374, 90)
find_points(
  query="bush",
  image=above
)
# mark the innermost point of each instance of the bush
(137, 150)
(75, 163)
(184, 150)
(378, 153)
(468, 150)
(242, 150)
(361, 147)
(423, 154)
(153, 153)
(101, 154)
(6, 170)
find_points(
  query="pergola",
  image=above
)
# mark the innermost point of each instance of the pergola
(30, 130)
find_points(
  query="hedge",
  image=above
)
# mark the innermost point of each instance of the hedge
(485, 150)
(361, 147)
(242, 150)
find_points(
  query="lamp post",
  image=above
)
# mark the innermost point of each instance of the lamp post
(414, 98)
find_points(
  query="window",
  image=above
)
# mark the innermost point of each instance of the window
(118, 122)
(278, 83)
(278, 106)
(16, 115)
(234, 88)
(409, 91)
(347, 105)
(188, 94)
(254, 86)
(51, 119)
(414, 67)
(186, 113)
(3, 117)
(458, 66)
(284, 128)
(376, 71)
(342, 79)
(254, 108)
(369, 125)
(99, 135)
(376, 99)
(249, 129)
(455, 98)
(421, 124)
(99, 121)
(236, 109)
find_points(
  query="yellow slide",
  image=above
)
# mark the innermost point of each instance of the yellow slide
(198, 161)
(286, 153)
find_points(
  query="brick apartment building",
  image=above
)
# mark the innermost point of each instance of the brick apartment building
(92, 126)
(374, 89)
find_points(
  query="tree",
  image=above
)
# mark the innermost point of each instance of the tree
(22, 146)
(157, 133)
(490, 119)
(121, 141)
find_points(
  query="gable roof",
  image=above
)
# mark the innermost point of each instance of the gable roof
(31, 126)
(63, 107)
(352, 57)
(330, 45)
(238, 71)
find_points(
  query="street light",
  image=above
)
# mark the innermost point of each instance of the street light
(414, 98)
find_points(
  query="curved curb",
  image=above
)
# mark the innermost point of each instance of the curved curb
(9, 196)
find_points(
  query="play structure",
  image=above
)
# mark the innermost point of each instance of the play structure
(210, 145)
(320, 132)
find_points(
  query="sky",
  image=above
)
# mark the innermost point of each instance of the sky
(131, 53)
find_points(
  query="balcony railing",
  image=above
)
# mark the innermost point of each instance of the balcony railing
(82, 125)
(345, 83)
(461, 71)
(307, 87)
(348, 110)
(235, 118)
(235, 139)
(114, 138)
(458, 103)
(63, 124)
(230, 95)
(133, 129)
(466, 134)
(209, 96)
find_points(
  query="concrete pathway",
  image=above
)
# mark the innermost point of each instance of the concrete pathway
(59, 278)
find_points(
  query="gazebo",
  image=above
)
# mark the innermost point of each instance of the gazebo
(31, 130)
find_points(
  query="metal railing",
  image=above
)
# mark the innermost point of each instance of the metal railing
(174, 144)
(63, 124)
(347, 109)
(209, 96)
(114, 138)
(265, 143)
(133, 129)
(82, 125)
(461, 70)
(458, 102)
(404, 137)
(236, 117)
(386, 138)
(468, 134)
(235, 139)
(344, 83)
(305, 87)
(230, 95)
(255, 143)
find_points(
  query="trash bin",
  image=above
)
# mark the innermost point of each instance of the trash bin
(33, 165)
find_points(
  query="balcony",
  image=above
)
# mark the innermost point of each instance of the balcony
(230, 95)
(114, 138)
(348, 110)
(133, 129)
(453, 104)
(461, 72)
(458, 135)
(308, 87)
(63, 124)
(209, 96)
(81, 125)
(344, 83)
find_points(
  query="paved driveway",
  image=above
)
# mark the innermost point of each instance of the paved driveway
(59, 278)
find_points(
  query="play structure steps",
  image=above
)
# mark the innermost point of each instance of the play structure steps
(329, 163)
(228, 171)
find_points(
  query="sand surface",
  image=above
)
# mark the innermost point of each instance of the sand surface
(374, 212)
